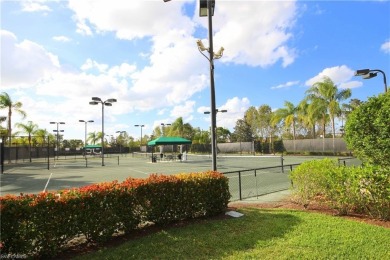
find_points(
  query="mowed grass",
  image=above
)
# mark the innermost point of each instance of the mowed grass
(259, 234)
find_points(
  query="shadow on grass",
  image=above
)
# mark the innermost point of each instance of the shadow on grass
(203, 239)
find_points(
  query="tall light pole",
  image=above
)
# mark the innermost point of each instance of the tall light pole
(140, 142)
(206, 8)
(85, 132)
(2, 139)
(120, 144)
(163, 128)
(369, 74)
(215, 132)
(57, 131)
(108, 102)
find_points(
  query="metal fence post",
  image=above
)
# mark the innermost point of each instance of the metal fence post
(48, 153)
(239, 184)
(2, 155)
(257, 191)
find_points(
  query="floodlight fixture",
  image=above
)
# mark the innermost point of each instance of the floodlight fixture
(203, 7)
(369, 74)
(163, 127)
(85, 129)
(140, 142)
(201, 46)
(108, 102)
(362, 72)
(219, 54)
(57, 131)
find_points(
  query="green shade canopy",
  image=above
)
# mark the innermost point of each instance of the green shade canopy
(92, 146)
(167, 140)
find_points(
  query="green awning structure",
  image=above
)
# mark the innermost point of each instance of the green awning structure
(92, 146)
(169, 140)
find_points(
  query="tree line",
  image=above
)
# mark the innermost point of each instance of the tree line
(313, 117)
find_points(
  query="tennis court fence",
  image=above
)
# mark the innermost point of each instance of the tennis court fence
(71, 162)
(251, 183)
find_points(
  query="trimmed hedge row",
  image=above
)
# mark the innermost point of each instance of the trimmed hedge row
(42, 224)
(347, 189)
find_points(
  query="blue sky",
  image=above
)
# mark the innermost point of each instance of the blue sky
(56, 55)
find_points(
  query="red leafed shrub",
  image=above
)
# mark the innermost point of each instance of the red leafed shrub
(42, 224)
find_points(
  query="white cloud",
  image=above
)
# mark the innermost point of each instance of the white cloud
(91, 64)
(130, 19)
(340, 75)
(235, 107)
(124, 70)
(286, 85)
(350, 84)
(61, 38)
(261, 31)
(175, 70)
(385, 47)
(35, 6)
(184, 110)
(83, 28)
(258, 40)
(24, 63)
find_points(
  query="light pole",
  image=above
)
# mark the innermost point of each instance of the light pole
(85, 133)
(57, 131)
(215, 137)
(108, 102)
(120, 144)
(140, 142)
(369, 74)
(206, 8)
(1, 155)
(163, 128)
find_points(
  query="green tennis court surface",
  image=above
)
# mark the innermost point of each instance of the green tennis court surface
(76, 172)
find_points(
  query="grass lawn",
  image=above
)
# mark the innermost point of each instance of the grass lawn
(259, 234)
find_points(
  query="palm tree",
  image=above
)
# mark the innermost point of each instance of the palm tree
(7, 103)
(40, 136)
(3, 131)
(309, 116)
(93, 137)
(326, 97)
(3, 119)
(29, 129)
(177, 127)
(288, 114)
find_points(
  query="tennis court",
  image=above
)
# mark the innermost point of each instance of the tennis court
(65, 173)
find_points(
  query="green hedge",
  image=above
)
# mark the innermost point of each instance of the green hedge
(42, 224)
(347, 189)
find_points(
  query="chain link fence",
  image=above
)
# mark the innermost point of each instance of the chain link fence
(256, 182)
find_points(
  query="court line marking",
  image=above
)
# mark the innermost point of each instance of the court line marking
(47, 183)
(139, 171)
